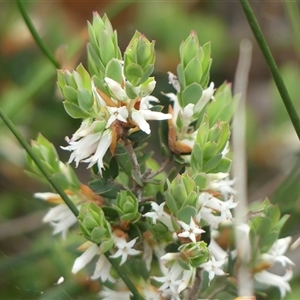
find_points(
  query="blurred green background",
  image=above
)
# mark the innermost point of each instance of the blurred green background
(31, 259)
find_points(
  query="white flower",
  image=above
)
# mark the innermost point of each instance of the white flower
(206, 96)
(60, 217)
(90, 148)
(190, 231)
(120, 114)
(116, 89)
(219, 182)
(141, 116)
(108, 294)
(85, 257)
(160, 214)
(217, 251)
(124, 249)
(102, 270)
(175, 280)
(275, 254)
(213, 210)
(278, 281)
(157, 248)
(150, 293)
(213, 267)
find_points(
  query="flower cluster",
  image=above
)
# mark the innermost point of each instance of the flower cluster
(167, 225)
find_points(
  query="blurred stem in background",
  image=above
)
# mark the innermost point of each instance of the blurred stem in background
(36, 36)
(292, 10)
(239, 167)
(272, 65)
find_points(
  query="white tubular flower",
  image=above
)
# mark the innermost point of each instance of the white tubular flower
(147, 89)
(85, 257)
(85, 129)
(176, 279)
(217, 251)
(157, 249)
(213, 268)
(99, 99)
(141, 116)
(120, 114)
(60, 217)
(108, 294)
(90, 148)
(213, 210)
(151, 293)
(102, 270)
(220, 183)
(206, 96)
(124, 249)
(280, 282)
(275, 254)
(190, 231)
(160, 214)
(116, 89)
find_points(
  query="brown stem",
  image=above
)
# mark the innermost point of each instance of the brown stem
(161, 169)
(195, 290)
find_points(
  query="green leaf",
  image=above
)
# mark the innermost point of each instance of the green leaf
(191, 94)
(113, 167)
(197, 158)
(138, 136)
(212, 163)
(201, 181)
(171, 203)
(95, 58)
(135, 175)
(107, 48)
(193, 71)
(267, 241)
(114, 70)
(110, 213)
(203, 131)
(75, 111)
(70, 94)
(134, 73)
(85, 99)
(123, 158)
(223, 166)
(209, 151)
(181, 78)
(85, 76)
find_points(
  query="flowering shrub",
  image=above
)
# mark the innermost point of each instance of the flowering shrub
(156, 231)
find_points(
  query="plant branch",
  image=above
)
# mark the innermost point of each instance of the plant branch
(216, 292)
(272, 65)
(39, 164)
(123, 274)
(195, 290)
(161, 169)
(35, 35)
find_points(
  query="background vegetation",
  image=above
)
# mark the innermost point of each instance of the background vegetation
(31, 259)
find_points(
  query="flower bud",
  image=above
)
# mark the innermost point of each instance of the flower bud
(103, 45)
(93, 224)
(127, 206)
(139, 59)
(194, 254)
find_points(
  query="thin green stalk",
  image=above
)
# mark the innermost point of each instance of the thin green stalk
(124, 277)
(31, 153)
(35, 35)
(272, 65)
